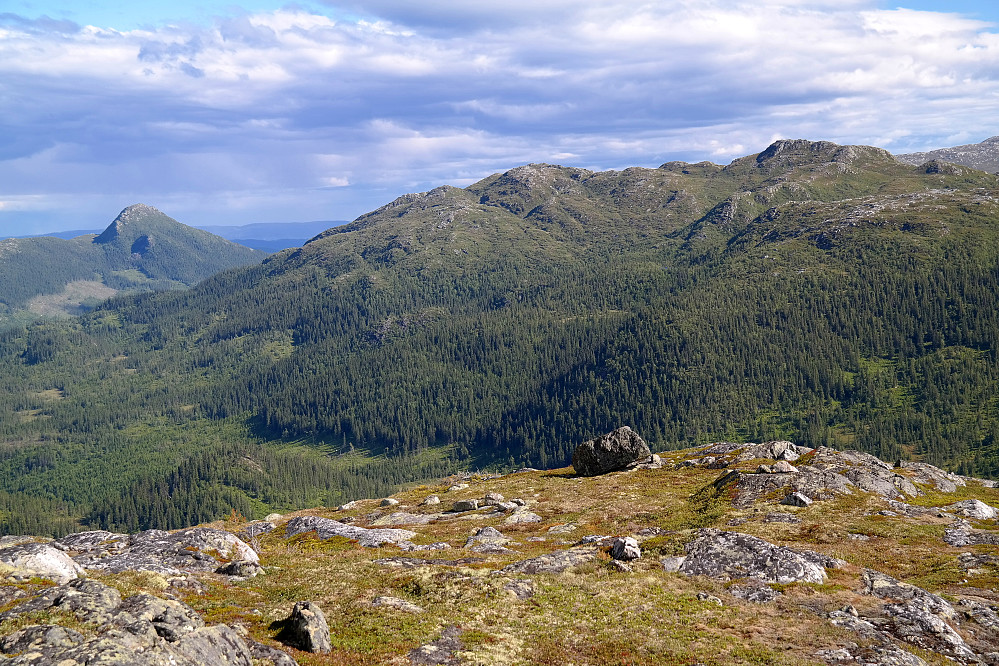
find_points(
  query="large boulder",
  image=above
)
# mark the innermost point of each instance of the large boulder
(327, 528)
(610, 452)
(306, 629)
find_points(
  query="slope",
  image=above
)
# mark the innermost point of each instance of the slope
(983, 156)
(827, 294)
(142, 249)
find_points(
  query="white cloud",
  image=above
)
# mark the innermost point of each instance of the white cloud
(415, 94)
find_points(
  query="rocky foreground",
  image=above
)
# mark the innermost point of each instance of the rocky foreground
(731, 553)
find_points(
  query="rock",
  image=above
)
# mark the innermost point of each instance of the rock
(396, 604)
(326, 528)
(492, 499)
(465, 505)
(563, 529)
(755, 591)
(389, 501)
(980, 613)
(348, 506)
(919, 626)
(620, 566)
(414, 562)
(930, 475)
(556, 562)
(457, 486)
(611, 452)
(973, 509)
(405, 518)
(442, 652)
(273, 517)
(431, 500)
(880, 650)
(672, 563)
(625, 549)
(960, 534)
(885, 587)
(729, 555)
(781, 518)
(256, 529)
(522, 589)
(306, 629)
(784, 467)
(141, 630)
(241, 569)
(410, 547)
(652, 462)
(42, 560)
(487, 540)
(710, 598)
(522, 517)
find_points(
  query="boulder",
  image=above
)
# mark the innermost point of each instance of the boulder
(306, 629)
(609, 453)
(797, 499)
(389, 501)
(465, 505)
(522, 517)
(730, 555)
(625, 548)
(557, 562)
(397, 604)
(431, 500)
(973, 509)
(42, 560)
(487, 540)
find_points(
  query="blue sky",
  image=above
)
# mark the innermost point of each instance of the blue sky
(260, 111)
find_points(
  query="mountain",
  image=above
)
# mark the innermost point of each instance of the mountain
(141, 250)
(983, 156)
(726, 554)
(826, 294)
(275, 236)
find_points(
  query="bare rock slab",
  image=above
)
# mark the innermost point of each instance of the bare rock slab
(730, 555)
(327, 528)
(42, 560)
(611, 452)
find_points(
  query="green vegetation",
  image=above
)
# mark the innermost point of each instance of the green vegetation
(142, 250)
(823, 294)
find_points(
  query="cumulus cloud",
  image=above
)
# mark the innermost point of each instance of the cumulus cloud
(286, 112)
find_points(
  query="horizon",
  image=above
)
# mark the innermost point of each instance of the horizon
(255, 111)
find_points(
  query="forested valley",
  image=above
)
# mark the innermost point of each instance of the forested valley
(824, 294)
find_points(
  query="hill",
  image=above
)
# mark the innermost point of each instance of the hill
(141, 250)
(727, 554)
(827, 294)
(983, 156)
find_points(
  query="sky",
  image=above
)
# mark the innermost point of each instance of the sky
(235, 112)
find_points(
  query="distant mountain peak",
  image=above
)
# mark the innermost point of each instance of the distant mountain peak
(796, 151)
(129, 215)
(983, 156)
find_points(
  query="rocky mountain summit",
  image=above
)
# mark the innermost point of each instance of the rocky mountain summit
(731, 553)
(983, 156)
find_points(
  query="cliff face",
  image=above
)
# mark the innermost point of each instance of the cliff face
(725, 554)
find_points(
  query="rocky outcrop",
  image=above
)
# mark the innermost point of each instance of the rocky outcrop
(557, 562)
(141, 629)
(198, 549)
(327, 528)
(973, 509)
(28, 560)
(732, 555)
(611, 452)
(961, 534)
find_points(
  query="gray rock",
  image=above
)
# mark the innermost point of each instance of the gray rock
(522, 589)
(256, 529)
(923, 628)
(885, 587)
(754, 590)
(556, 562)
(610, 452)
(415, 562)
(625, 548)
(930, 475)
(973, 509)
(326, 528)
(710, 598)
(405, 518)
(465, 505)
(306, 629)
(797, 499)
(730, 555)
(492, 499)
(37, 637)
(389, 501)
(652, 462)
(487, 536)
(672, 563)
(781, 518)
(240, 569)
(522, 517)
(396, 604)
(442, 652)
(960, 534)
(42, 560)
(431, 500)
(563, 529)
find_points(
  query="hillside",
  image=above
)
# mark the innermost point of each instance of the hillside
(983, 156)
(141, 250)
(728, 554)
(827, 294)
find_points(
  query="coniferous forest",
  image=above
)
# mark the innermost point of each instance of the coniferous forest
(824, 294)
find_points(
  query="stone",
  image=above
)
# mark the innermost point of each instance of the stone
(730, 555)
(776, 517)
(672, 563)
(960, 534)
(40, 560)
(610, 452)
(652, 462)
(557, 562)
(522, 517)
(326, 528)
(797, 499)
(563, 529)
(625, 548)
(396, 604)
(973, 509)
(256, 529)
(710, 598)
(754, 590)
(388, 501)
(442, 652)
(415, 562)
(923, 628)
(930, 475)
(272, 517)
(306, 629)
(492, 499)
(240, 569)
(405, 518)
(884, 586)
(522, 589)
(431, 500)
(465, 505)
